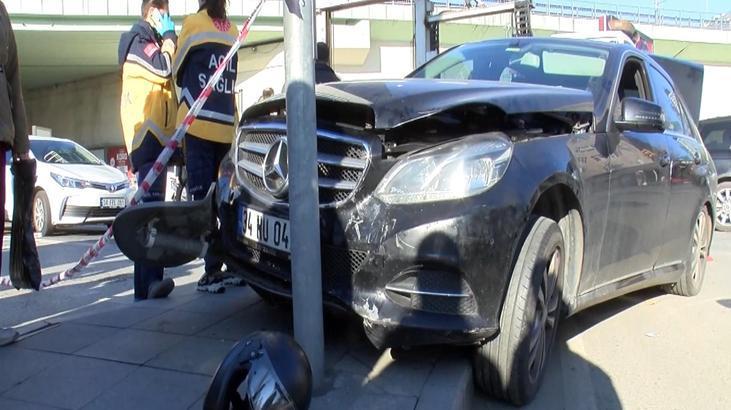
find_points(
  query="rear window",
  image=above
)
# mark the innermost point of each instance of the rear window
(717, 137)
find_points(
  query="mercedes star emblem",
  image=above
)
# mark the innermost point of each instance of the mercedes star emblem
(276, 169)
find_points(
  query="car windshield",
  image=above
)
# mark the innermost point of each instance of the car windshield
(62, 152)
(563, 65)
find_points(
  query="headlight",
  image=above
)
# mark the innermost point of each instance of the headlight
(67, 182)
(226, 178)
(455, 170)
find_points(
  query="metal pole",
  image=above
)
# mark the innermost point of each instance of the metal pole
(303, 184)
(329, 35)
(421, 33)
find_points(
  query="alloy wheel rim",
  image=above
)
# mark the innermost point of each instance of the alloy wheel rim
(546, 317)
(699, 245)
(39, 216)
(723, 207)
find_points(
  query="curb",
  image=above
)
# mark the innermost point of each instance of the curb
(449, 385)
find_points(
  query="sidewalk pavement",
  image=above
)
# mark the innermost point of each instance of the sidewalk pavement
(162, 353)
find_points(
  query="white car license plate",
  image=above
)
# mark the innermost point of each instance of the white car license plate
(265, 229)
(114, 203)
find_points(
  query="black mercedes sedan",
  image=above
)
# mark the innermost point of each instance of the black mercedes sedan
(716, 134)
(501, 186)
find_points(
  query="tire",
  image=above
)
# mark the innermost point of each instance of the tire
(42, 222)
(723, 207)
(691, 282)
(508, 367)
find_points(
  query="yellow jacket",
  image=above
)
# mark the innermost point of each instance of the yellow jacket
(148, 103)
(202, 45)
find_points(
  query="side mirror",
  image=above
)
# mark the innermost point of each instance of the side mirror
(641, 116)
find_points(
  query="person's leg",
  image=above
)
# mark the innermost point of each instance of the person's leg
(3, 150)
(143, 160)
(212, 263)
(201, 160)
(7, 335)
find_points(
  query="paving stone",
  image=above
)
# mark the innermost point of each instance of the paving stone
(71, 383)
(67, 337)
(222, 304)
(131, 346)
(350, 364)
(198, 405)
(180, 322)
(256, 317)
(383, 402)
(122, 317)
(17, 365)
(403, 377)
(7, 404)
(154, 389)
(174, 300)
(193, 355)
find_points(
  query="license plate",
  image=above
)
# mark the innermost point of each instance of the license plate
(265, 229)
(114, 203)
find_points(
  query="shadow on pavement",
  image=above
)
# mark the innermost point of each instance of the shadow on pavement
(109, 277)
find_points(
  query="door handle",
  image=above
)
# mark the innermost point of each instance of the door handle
(665, 160)
(697, 158)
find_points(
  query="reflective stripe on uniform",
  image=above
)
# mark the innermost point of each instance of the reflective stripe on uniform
(162, 73)
(198, 39)
(152, 128)
(206, 114)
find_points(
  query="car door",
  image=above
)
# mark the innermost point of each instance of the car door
(688, 171)
(639, 188)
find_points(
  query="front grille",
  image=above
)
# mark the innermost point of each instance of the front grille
(434, 291)
(342, 161)
(110, 187)
(338, 264)
(89, 212)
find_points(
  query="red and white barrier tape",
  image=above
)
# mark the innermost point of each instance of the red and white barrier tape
(162, 159)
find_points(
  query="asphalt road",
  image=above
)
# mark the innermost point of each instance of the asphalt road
(644, 350)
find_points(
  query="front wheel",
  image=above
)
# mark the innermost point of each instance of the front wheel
(692, 280)
(511, 366)
(42, 222)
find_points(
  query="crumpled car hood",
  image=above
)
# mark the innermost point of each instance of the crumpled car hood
(395, 102)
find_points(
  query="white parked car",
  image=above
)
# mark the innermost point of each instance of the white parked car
(73, 186)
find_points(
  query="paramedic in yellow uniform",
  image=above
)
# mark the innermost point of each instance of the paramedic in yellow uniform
(204, 41)
(148, 110)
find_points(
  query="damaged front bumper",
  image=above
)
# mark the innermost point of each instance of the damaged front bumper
(416, 274)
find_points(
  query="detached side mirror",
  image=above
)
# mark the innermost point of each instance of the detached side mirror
(641, 116)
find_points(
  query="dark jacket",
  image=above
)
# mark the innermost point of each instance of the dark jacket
(324, 73)
(203, 44)
(148, 103)
(13, 123)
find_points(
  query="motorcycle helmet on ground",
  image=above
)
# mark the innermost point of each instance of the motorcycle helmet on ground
(265, 371)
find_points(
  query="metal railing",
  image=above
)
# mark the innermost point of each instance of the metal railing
(635, 14)
(561, 8)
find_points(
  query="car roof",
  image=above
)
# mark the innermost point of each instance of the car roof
(39, 138)
(715, 120)
(602, 45)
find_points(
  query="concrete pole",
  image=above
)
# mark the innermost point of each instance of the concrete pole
(303, 183)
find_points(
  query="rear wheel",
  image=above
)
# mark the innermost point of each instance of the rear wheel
(692, 280)
(511, 366)
(723, 207)
(42, 214)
